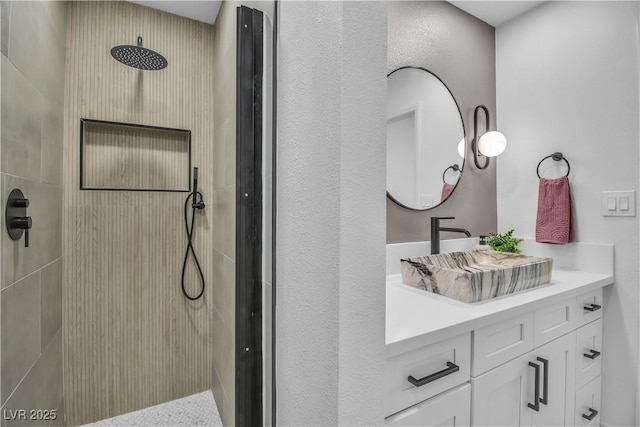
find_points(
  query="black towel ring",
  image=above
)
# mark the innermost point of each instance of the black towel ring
(455, 168)
(557, 156)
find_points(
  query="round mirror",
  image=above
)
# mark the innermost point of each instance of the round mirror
(425, 139)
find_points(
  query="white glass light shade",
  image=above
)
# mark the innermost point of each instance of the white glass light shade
(461, 147)
(492, 144)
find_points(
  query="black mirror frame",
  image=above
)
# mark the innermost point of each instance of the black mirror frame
(464, 133)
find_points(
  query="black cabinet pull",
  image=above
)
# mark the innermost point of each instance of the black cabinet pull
(594, 354)
(545, 376)
(536, 406)
(592, 307)
(451, 368)
(592, 414)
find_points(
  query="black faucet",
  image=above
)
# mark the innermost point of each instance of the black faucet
(436, 229)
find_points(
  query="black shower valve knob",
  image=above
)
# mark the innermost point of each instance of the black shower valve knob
(22, 223)
(21, 203)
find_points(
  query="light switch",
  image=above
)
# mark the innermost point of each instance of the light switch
(619, 203)
(624, 203)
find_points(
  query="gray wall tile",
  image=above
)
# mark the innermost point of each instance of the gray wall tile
(60, 419)
(21, 106)
(42, 387)
(20, 331)
(51, 142)
(32, 40)
(38, 46)
(45, 236)
(50, 301)
(5, 19)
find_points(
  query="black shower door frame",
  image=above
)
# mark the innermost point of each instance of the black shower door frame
(248, 348)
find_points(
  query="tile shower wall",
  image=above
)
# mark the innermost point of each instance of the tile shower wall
(224, 212)
(32, 66)
(131, 339)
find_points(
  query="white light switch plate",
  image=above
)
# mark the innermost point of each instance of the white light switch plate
(618, 196)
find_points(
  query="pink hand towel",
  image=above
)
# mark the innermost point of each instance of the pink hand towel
(447, 189)
(555, 214)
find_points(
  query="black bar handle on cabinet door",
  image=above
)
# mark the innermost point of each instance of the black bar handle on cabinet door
(451, 368)
(592, 307)
(594, 354)
(545, 376)
(536, 398)
(592, 414)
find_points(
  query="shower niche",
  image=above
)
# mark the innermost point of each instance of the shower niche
(132, 157)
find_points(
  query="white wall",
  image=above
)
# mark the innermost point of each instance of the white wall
(567, 80)
(331, 212)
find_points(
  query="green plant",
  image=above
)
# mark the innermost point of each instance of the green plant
(504, 242)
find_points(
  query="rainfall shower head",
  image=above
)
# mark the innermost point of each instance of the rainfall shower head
(139, 57)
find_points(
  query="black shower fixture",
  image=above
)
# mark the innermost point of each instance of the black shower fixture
(15, 216)
(197, 202)
(139, 57)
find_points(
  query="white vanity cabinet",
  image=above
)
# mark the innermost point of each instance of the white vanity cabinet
(538, 368)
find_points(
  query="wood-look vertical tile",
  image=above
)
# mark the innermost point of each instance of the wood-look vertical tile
(130, 338)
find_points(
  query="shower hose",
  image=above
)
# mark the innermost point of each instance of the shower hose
(189, 229)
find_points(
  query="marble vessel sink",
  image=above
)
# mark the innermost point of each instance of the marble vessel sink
(476, 275)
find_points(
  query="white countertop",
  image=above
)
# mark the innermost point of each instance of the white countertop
(415, 318)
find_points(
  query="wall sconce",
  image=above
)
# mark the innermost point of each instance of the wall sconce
(490, 144)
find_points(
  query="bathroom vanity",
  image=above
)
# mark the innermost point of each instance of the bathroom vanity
(530, 358)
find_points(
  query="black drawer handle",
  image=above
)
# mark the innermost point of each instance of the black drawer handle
(536, 406)
(592, 307)
(594, 354)
(451, 368)
(592, 414)
(545, 375)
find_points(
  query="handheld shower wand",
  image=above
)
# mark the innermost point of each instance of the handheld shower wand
(195, 185)
(195, 204)
(194, 194)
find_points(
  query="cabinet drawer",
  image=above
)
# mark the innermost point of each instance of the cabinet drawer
(452, 408)
(588, 353)
(435, 364)
(496, 344)
(589, 307)
(554, 321)
(588, 404)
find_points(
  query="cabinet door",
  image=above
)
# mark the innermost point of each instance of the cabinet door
(557, 382)
(505, 396)
(451, 409)
(501, 396)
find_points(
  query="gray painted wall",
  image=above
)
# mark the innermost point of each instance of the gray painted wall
(460, 49)
(331, 213)
(33, 34)
(579, 62)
